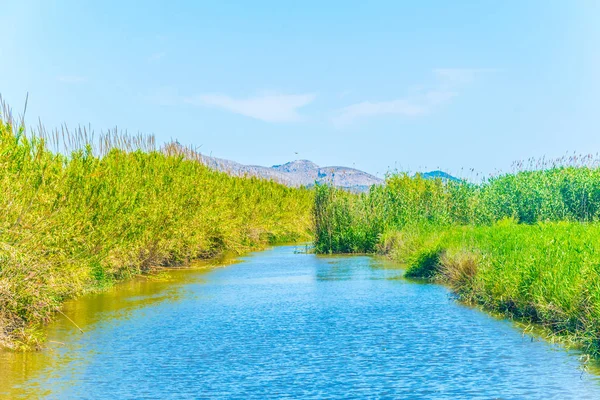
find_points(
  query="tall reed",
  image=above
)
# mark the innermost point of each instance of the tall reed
(563, 193)
(526, 243)
(88, 214)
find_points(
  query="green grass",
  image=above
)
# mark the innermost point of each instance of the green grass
(76, 221)
(353, 223)
(344, 222)
(525, 244)
(547, 273)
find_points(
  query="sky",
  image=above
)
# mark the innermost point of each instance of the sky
(377, 85)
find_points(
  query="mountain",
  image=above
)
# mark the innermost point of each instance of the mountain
(296, 173)
(439, 174)
(299, 173)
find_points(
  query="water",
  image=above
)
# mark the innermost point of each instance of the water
(288, 325)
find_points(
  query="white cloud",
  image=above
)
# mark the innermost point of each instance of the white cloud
(157, 56)
(447, 85)
(71, 79)
(459, 76)
(164, 96)
(370, 109)
(266, 107)
(435, 97)
(407, 107)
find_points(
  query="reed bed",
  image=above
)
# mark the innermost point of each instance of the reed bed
(79, 213)
(526, 244)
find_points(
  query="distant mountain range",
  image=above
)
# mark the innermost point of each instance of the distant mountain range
(306, 173)
(295, 173)
(299, 173)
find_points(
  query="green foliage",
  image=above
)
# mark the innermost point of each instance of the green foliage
(79, 222)
(564, 193)
(526, 244)
(424, 263)
(347, 221)
(547, 273)
(344, 222)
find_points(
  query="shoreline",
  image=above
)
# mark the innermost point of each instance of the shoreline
(474, 263)
(221, 259)
(105, 211)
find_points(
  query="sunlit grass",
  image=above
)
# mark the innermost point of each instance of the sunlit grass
(526, 244)
(78, 214)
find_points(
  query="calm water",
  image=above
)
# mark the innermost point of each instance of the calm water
(287, 325)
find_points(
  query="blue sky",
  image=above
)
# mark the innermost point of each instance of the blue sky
(376, 85)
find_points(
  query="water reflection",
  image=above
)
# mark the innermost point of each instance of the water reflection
(340, 268)
(22, 374)
(281, 324)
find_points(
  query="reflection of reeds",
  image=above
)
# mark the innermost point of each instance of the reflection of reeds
(79, 212)
(545, 273)
(525, 243)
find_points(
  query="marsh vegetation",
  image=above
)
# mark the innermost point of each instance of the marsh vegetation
(525, 244)
(78, 214)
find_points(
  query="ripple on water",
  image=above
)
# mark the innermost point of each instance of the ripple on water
(291, 325)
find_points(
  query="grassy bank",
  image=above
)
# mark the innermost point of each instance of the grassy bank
(525, 244)
(75, 223)
(547, 273)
